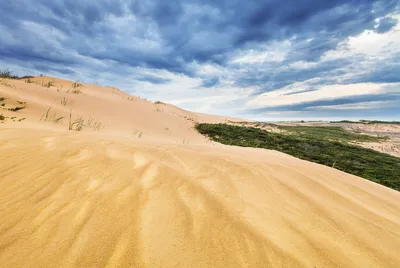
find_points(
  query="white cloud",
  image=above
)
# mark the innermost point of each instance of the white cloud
(273, 52)
(297, 93)
(359, 106)
(369, 44)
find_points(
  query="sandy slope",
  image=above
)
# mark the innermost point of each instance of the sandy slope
(170, 198)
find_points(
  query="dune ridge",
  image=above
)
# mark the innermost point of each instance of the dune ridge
(171, 198)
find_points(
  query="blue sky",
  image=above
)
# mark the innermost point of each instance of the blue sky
(259, 59)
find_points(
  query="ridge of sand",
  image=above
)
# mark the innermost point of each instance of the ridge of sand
(171, 198)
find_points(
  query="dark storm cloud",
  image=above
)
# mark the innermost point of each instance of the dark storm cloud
(195, 30)
(68, 37)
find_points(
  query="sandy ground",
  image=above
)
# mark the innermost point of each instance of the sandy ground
(145, 190)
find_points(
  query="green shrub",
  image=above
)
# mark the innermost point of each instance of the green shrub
(366, 163)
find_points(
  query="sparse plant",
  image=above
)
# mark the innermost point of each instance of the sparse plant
(4, 82)
(65, 102)
(15, 109)
(138, 133)
(159, 102)
(49, 116)
(29, 81)
(2, 117)
(79, 123)
(76, 87)
(93, 124)
(6, 73)
(49, 84)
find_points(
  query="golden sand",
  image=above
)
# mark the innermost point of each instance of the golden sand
(148, 191)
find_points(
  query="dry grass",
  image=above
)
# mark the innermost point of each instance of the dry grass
(4, 82)
(50, 116)
(65, 102)
(79, 123)
(138, 133)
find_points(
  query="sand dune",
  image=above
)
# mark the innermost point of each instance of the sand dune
(169, 197)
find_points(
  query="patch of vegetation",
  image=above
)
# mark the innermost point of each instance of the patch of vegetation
(77, 124)
(80, 123)
(331, 133)
(15, 109)
(76, 88)
(159, 102)
(2, 117)
(76, 84)
(366, 163)
(6, 73)
(49, 84)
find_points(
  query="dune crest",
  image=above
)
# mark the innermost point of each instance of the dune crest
(146, 190)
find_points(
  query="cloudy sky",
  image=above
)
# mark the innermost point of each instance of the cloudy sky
(259, 59)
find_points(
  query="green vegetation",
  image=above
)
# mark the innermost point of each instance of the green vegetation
(159, 102)
(49, 84)
(2, 117)
(15, 109)
(329, 133)
(328, 149)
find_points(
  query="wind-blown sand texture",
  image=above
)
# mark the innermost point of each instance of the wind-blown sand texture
(169, 197)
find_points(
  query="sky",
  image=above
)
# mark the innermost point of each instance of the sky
(266, 60)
